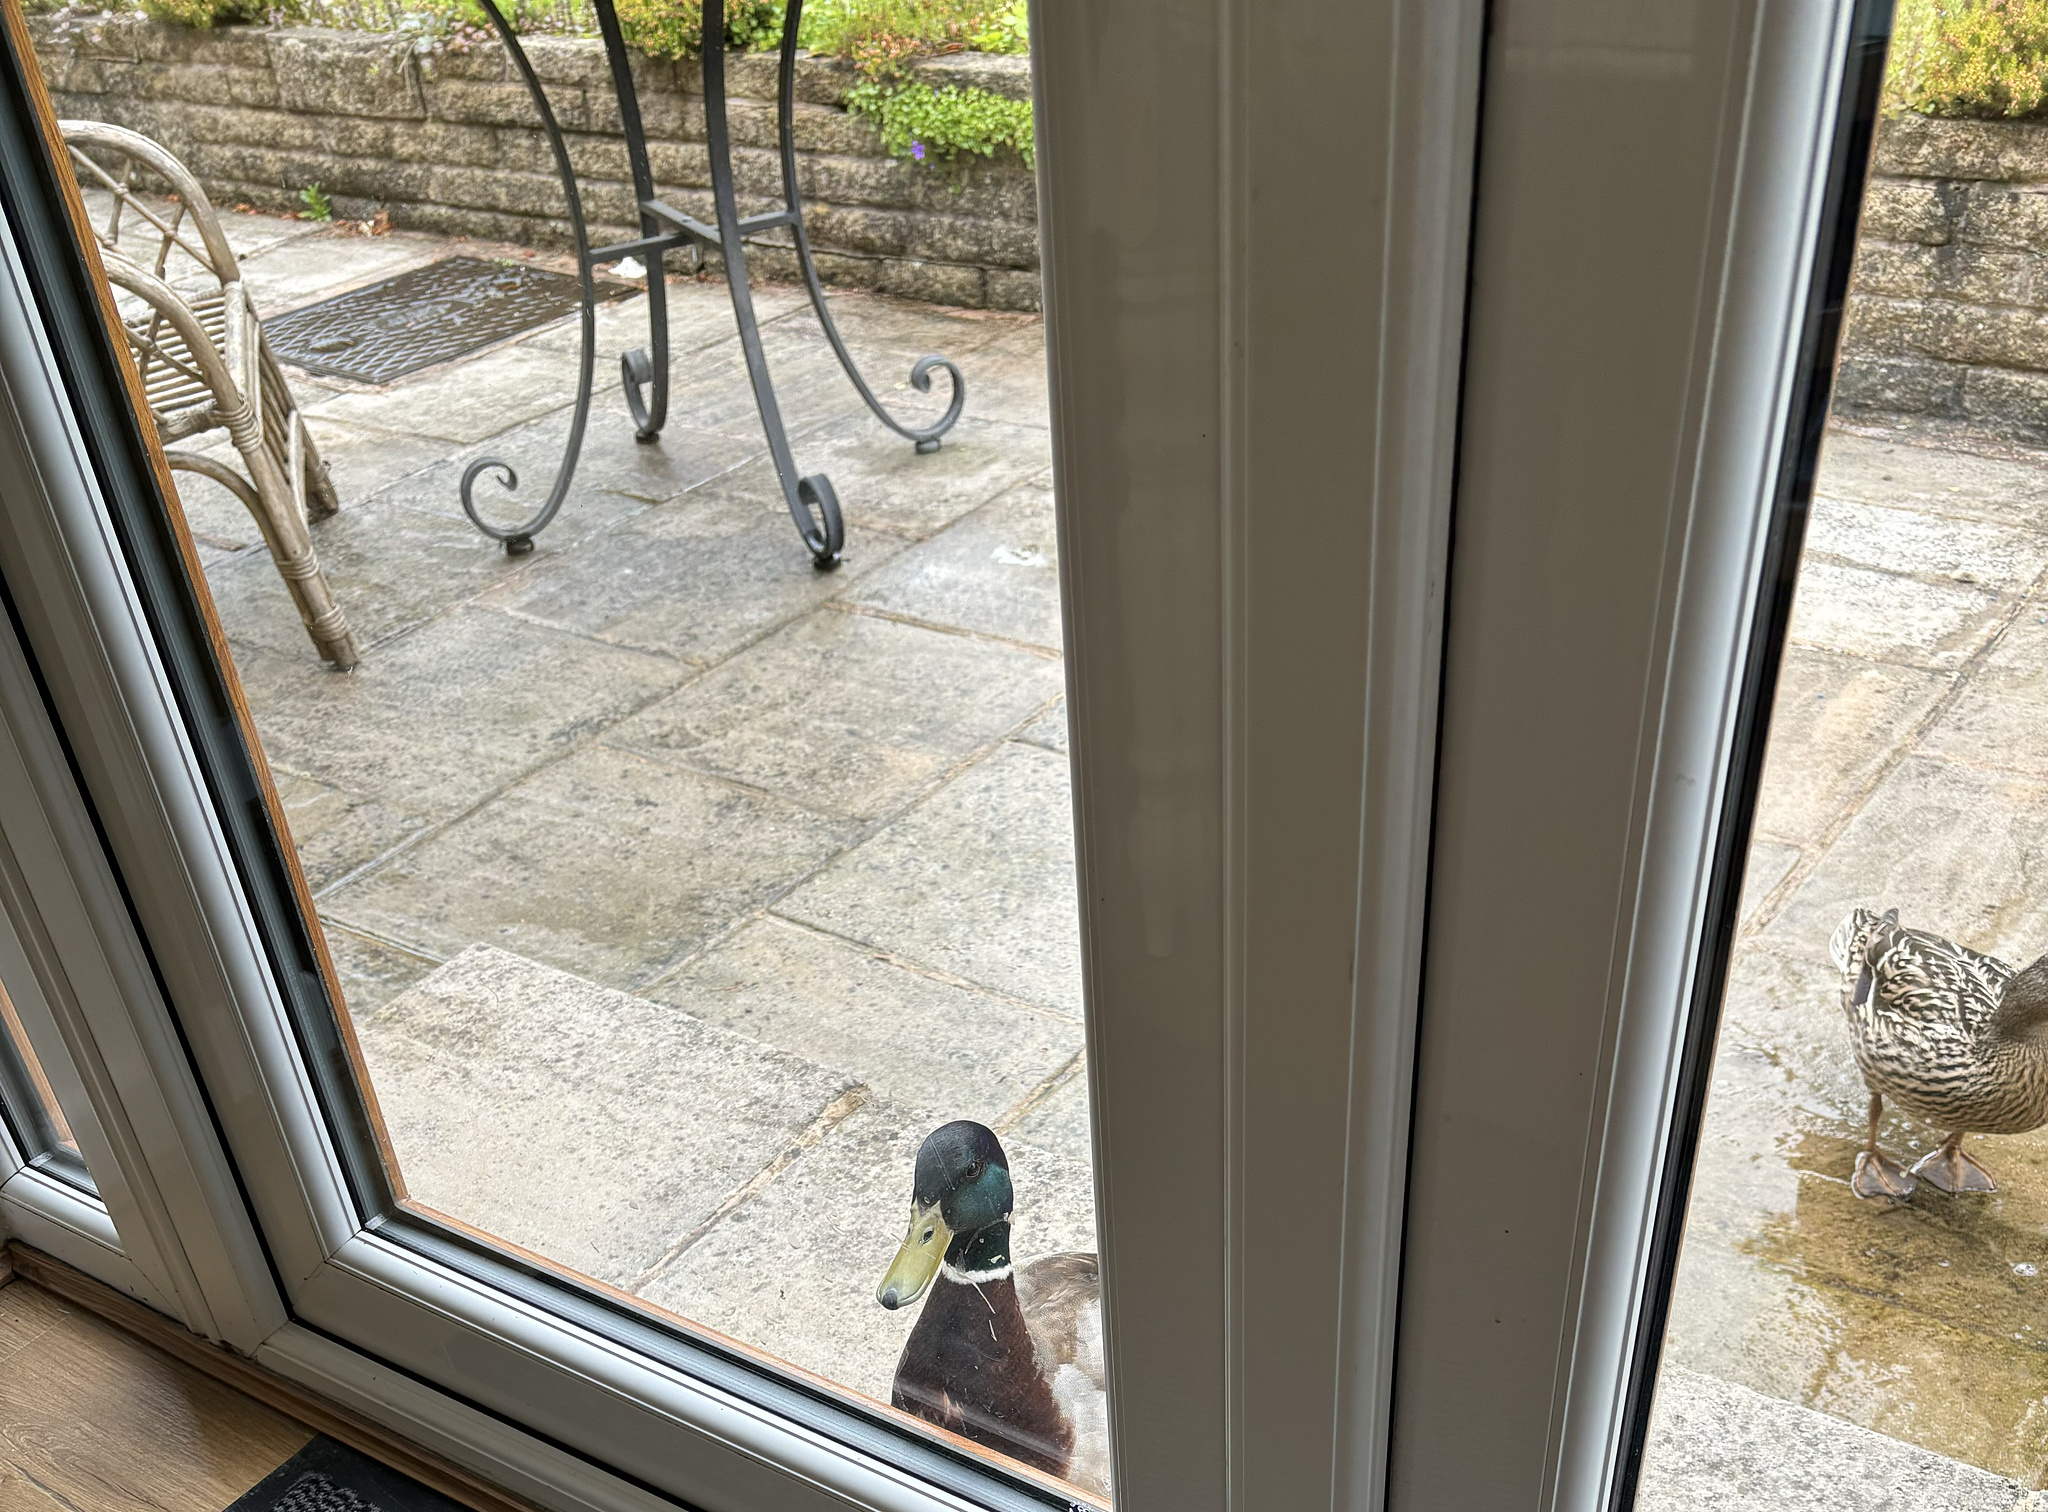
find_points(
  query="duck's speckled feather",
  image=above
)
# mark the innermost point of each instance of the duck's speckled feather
(1920, 1011)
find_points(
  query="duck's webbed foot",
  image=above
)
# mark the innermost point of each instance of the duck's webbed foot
(1879, 1178)
(1952, 1169)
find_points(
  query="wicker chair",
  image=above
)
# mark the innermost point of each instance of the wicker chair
(203, 360)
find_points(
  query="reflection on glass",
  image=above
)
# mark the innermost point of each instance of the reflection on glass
(25, 1094)
(678, 891)
(1867, 1241)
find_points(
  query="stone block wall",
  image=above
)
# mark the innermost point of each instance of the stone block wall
(448, 141)
(1948, 307)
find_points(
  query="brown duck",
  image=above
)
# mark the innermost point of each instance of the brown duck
(1007, 1355)
(1953, 1036)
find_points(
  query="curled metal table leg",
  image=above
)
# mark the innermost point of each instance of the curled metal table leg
(518, 538)
(924, 438)
(644, 373)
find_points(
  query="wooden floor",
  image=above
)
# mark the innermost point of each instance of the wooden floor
(91, 1420)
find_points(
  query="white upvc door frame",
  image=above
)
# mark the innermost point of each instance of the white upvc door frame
(1256, 286)
(1666, 196)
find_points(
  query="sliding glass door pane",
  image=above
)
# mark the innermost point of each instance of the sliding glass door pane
(26, 1100)
(686, 922)
(1858, 1289)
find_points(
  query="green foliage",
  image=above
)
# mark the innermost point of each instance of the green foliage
(927, 124)
(675, 28)
(1983, 59)
(204, 12)
(885, 37)
(318, 206)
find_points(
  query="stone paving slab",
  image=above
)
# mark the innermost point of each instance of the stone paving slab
(884, 483)
(911, 1037)
(1930, 546)
(1745, 1452)
(795, 1271)
(977, 880)
(462, 401)
(592, 1127)
(1955, 849)
(1049, 729)
(440, 719)
(1008, 380)
(995, 572)
(604, 864)
(299, 270)
(845, 713)
(1950, 484)
(394, 568)
(1060, 1124)
(1836, 723)
(699, 316)
(371, 972)
(1888, 617)
(698, 578)
(338, 831)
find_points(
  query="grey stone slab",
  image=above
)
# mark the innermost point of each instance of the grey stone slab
(1060, 1124)
(794, 1272)
(359, 462)
(393, 567)
(612, 458)
(711, 388)
(1008, 380)
(588, 1126)
(1716, 1447)
(1940, 481)
(1889, 617)
(307, 269)
(843, 712)
(698, 577)
(883, 481)
(2000, 714)
(995, 572)
(1049, 729)
(874, 325)
(1955, 849)
(699, 316)
(247, 234)
(371, 972)
(1926, 545)
(978, 880)
(435, 721)
(1769, 864)
(911, 1038)
(337, 831)
(602, 864)
(1835, 723)
(465, 400)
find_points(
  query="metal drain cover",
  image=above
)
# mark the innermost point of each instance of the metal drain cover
(429, 315)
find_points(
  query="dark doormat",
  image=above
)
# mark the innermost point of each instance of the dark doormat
(429, 315)
(326, 1476)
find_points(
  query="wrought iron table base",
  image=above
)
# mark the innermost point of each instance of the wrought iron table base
(813, 504)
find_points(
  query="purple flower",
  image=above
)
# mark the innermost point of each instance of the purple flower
(917, 151)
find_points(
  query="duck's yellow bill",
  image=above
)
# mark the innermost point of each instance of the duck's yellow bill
(917, 1258)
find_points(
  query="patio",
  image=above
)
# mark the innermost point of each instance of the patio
(678, 889)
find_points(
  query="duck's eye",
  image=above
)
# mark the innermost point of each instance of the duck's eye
(974, 1171)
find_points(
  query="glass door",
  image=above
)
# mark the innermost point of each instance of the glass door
(675, 1011)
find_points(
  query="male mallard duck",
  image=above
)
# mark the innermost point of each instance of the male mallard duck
(1954, 1037)
(1009, 1356)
